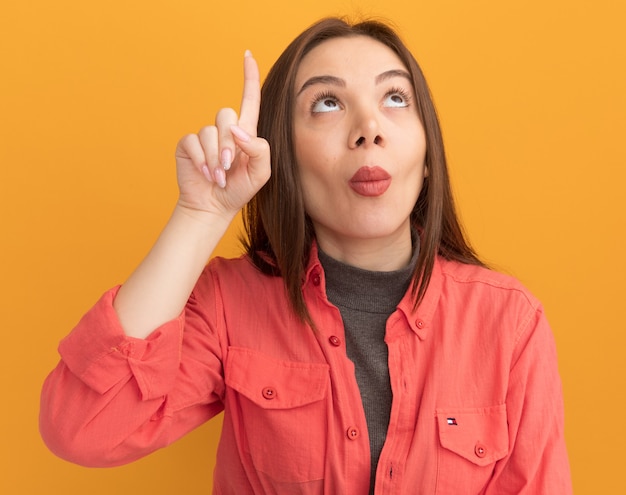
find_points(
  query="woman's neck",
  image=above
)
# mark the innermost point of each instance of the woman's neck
(383, 254)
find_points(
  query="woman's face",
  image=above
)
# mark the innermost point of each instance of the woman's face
(359, 143)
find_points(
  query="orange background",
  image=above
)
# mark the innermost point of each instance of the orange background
(94, 96)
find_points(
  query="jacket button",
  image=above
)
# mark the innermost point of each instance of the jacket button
(480, 450)
(353, 433)
(420, 323)
(316, 279)
(269, 393)
(334, 340)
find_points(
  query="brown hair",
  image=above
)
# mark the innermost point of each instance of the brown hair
(279, 232)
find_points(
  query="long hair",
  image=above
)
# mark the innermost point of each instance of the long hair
(279, 232)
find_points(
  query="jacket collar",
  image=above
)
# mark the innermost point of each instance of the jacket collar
(419, 319)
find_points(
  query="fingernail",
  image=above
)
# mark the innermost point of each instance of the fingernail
(207, 174)
(248, 53)
(227, 158)
(240, 133)
(220, 177)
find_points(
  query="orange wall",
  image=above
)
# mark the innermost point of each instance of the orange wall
(94, 96)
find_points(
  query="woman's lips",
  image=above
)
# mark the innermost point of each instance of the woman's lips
(370, 181)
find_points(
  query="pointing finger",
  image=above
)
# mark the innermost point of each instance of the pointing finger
(251, 99)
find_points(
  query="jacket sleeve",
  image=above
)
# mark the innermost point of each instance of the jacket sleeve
(537, 461)
(113, 399)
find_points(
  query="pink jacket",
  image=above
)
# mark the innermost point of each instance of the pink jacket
(477, 404)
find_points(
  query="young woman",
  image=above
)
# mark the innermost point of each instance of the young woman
(359, 346)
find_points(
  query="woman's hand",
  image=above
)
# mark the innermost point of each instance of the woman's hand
(223, 166)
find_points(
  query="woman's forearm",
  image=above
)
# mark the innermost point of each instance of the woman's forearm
(158, 289)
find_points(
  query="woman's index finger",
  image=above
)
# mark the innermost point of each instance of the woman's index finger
(251, 99)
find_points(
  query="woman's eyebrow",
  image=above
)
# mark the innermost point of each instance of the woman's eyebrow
(337, 81)
(332, 80)
(389, 74)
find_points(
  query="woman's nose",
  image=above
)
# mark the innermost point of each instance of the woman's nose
(366, 130)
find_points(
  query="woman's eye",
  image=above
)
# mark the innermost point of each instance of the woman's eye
(325, 105)
(397, 100)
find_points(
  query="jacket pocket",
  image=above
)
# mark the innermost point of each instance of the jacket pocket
(471, 441)
(282, 413)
